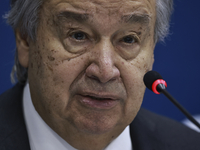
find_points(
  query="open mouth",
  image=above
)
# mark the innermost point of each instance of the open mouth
(98, 102)
(98, 98)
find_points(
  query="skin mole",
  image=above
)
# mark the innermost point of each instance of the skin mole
(51, 58)
(50, 67)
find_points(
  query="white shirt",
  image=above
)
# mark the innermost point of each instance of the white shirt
(42, 137)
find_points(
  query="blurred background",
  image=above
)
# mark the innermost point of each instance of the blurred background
(177, 60)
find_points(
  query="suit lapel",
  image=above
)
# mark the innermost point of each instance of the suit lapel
(149, 132)
(13, 134)
(142, 131)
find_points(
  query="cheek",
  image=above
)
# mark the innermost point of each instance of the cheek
(132, 73)
(133, 80)
(51, 75)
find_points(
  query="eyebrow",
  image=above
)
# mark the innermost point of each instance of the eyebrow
(79, 17)
(136, 18)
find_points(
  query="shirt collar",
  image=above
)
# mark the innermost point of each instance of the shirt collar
(42, 137)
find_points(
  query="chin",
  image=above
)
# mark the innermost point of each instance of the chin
(95, 123)
(97, 129)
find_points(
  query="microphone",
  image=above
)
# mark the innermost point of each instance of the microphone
(154, 81)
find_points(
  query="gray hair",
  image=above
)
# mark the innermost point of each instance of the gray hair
(164, 9)
(24, 16)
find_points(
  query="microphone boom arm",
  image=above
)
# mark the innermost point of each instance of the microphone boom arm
(163, 90)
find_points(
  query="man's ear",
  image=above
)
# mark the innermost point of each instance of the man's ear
(22, 49)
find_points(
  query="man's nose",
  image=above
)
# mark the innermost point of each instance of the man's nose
(103, 62)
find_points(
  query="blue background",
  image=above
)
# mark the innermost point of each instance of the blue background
(177, 60)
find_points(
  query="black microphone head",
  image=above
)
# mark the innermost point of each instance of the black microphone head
(150, 77)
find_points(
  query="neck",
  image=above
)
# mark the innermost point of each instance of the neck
(84, 140)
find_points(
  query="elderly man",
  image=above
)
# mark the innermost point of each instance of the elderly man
(80, 66)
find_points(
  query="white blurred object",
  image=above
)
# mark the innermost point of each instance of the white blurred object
(190, 124)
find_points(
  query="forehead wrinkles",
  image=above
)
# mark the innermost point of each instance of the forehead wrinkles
(105, 10)
(119, 6)
(106, 6)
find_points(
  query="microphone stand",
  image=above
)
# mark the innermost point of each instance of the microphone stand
(162, 89)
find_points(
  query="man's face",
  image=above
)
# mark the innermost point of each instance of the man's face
(86, 67)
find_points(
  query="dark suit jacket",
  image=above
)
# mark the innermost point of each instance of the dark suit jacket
(148, 130)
